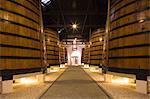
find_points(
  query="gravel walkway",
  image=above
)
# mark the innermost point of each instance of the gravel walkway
(74, 84)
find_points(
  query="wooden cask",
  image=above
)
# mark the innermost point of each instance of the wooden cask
(52, 47)
(96, 47)
(85, 53)
(20, 32)
(82, 55)
(61, 53)
(66, 56)
(129, 39)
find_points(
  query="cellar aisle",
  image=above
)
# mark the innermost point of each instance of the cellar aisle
(116, 90)
(74, 84)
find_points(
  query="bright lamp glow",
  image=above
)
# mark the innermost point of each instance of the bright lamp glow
(100, 39)
(45, 1)
(28, 81)
(74, 26)
(121, 80)
(141, 21)
(86, 66)
(62, 65)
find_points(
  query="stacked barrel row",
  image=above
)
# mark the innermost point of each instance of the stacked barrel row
(52, 47)
(20, 46)
(62, 54)
(82, 55)
(129, 41)
(66, 57)
(96, 47)
(85, 53)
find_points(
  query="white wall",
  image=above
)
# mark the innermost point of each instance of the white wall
(69, 52)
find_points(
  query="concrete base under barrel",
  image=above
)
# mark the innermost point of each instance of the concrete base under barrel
(86, 66)
(94, 68)
(141, 85)
(55, 68)
(6, 86)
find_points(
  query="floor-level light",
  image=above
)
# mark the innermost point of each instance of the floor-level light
(28, 81)
(121, 80)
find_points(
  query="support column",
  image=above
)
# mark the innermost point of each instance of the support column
(41, 78)
(108, 78)
(6, 86)
(142, 81)
(142, 86)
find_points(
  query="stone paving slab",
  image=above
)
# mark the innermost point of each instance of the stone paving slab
(117, 91)
(74, 84)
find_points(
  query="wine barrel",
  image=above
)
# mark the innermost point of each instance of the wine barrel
(20, 31)
(66, 56)
(52, 47)
(96, 47)
(129, 41)
(85, 57)
(82, 55)
(61, 53)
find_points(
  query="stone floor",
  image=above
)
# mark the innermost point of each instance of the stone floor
(33, 91)
(117, 91)
(74, 84)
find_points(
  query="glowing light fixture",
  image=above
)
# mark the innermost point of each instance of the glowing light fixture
(54, 69)
(121, 80)
(74, 26)
(62, 65)
(86, 66)
(45, 1)
(100, 39)
(141, 21)
(59, 31)
(28, 81)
